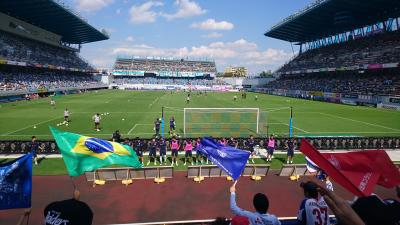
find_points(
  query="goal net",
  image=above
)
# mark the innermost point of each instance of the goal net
(221, 122)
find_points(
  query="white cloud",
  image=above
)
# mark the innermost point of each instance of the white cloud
(211, 24)
(218, 44)
(118, 11)
(242, 44)
(108, 30)
(212, 35)
(240, 53)
(186, 8)
(92, 5)
(267, 57)
(130, 38)
(143, 14)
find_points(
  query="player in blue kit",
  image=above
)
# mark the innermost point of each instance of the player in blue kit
(162, 145)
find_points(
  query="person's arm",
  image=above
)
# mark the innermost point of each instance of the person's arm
(235, 209)
(342, 210)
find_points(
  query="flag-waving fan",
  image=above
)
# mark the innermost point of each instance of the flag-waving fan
(358, 172)
(82, 154)
(229, 159)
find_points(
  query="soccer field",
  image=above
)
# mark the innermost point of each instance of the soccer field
(134, 113)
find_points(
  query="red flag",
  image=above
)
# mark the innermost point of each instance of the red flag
(358, 172)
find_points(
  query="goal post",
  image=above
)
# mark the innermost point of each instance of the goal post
(221, 122)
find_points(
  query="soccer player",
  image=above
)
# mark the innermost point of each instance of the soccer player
(256, 97)
(232, 142)
(138, 146)
(251, 143)
(116, 136)
(188, 147)
(152, 151)
(312, 211)
(163, 151)
(66, 115)
(188, 99)
(234, 98)
(96, 118)
(261, 204)
(172, 126)
(290, 151)
(270, 148)
(223, 142)
(34, 149)
(53, 103)
(174, 151)
(157, 125)
(198, 153)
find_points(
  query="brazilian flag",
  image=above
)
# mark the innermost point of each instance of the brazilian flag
(82, 154)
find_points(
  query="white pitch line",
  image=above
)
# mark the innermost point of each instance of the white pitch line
(358, 121)
(297, 128)
(155, 100)
(30, 126)
(129, 132)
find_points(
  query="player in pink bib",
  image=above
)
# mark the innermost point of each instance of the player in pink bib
(174, 151)
(271, 148)
(188, 151)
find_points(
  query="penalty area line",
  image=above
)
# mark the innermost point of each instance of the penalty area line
(24, 128)
(129, 132)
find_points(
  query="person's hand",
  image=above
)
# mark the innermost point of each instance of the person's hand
(77, 194)
(342, 210)
(232, 189)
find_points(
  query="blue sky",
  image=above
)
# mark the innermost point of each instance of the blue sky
(227, 31)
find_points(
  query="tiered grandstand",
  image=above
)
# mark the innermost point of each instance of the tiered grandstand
(156, 73)
(37, 55)
(346, 55)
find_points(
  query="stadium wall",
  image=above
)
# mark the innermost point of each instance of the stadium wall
(321, 143)
(348, 99)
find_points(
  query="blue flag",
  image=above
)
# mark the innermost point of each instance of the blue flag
(291, 127)
(229, 159)
(16, 183)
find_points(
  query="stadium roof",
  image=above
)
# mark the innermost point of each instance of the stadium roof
(51, 16)
(325, 18)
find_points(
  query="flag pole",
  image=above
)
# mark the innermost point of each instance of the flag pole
(162, 121)
(291, 122)
(73, 183)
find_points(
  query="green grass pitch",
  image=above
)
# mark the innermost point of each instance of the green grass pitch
(134, 112)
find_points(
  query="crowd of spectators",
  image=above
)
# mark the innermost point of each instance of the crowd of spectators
(165, 65)
(347, 83)
(376, 49)
(167, 81)
(44, 81)
(20, 49)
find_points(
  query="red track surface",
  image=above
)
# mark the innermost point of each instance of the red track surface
(176, 199)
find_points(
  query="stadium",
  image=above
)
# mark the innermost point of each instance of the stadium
(159, 139)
